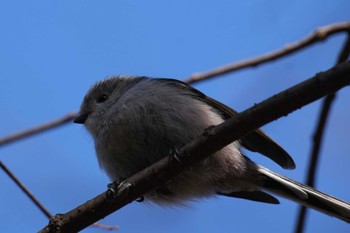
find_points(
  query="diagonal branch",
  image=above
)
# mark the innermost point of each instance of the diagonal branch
(213, 139)
(38, 203)
(318, 137)
(38, 129)
(25, 190)
(318, 35)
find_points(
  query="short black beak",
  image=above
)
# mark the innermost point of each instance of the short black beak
(81, 118)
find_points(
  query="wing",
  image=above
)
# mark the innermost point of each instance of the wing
(256, 141)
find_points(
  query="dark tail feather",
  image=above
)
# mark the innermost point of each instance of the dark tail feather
(305, 195)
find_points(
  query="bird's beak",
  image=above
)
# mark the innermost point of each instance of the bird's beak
(81, 118)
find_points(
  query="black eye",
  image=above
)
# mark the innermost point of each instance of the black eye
(102, 98)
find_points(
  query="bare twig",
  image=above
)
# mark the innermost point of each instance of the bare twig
(318, 35)
(25, 190)
(39, 129)
(38, 203)
(105, 227)
(318, 137)
(213, 139)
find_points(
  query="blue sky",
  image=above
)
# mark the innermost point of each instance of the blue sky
(52, 51)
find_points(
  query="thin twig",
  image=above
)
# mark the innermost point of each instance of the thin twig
(318, 137)
(38, 129)
(212, 140)
(38, 203)
(318, 35)
(26, 191)
(31, 132)
(105, 227)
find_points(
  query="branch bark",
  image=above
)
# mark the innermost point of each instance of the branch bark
(213, 139)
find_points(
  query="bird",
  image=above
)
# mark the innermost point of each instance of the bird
(136, 120)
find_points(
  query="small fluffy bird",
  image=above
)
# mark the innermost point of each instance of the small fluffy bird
(135, 121)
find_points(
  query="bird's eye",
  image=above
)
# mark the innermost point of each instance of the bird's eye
(102, 98)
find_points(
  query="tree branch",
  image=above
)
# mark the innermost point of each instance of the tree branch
(26, 191)
(318, 35)
(38, 129)
(318, 137)
(213, 139)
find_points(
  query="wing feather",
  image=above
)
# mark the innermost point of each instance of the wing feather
(256, 141)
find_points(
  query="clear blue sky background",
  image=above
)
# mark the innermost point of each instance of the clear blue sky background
(52, 51)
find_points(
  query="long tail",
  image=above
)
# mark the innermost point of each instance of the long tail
(305, 195)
